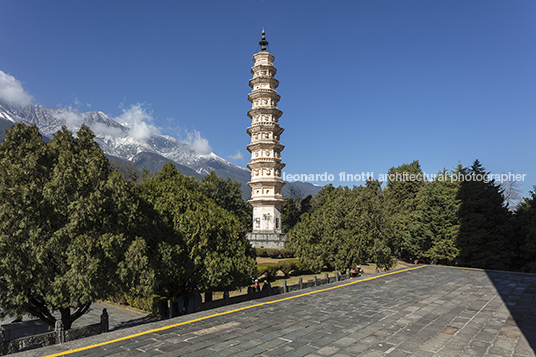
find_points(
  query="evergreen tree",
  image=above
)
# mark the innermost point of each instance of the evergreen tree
(208, 242)
(524, 227)
(349, 227)
(66, 221)
(404, 184)
(321, 196)
(435, 225)
(293, 208)
(483, 239)
(228, 195)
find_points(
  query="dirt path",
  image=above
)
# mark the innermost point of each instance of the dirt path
(261, 260)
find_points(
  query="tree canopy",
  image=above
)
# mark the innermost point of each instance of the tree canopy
(401, 199)
(72, 230)
(435, 223)
(66, 221)
(209, 241)
(350, 227)
(227, 194)
(524, 228)
(483, 236)
(458, 217)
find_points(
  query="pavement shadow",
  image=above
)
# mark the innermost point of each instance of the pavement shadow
(135, 322)
(518, 292)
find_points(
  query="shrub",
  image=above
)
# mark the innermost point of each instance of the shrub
(273, 253)
(268, 270)
(262, 252)
(303, 268)
(148, 304)
(286, 253)
(120, 299)
(286, 267)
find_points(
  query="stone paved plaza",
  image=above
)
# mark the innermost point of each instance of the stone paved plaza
(427, 311)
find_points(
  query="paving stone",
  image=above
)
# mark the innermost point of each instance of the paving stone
(328, 350)
(279, 351)
(250, 352)
(396, 353)
(325, 341)
(302, 351)
(372, 353)
(423, 312)
(272, 344)
(344, 342)
(199, 345)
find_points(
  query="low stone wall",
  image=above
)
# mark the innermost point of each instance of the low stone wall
(211, 304)
(25, 328)
(59, 335)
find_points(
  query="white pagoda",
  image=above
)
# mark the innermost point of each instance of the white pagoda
(265, 148)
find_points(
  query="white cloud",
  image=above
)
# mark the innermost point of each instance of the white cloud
(103, 129)
(72, 120)
(237, 156)
(197, 143)
(11, 90)
(193, 139)
(138, 120)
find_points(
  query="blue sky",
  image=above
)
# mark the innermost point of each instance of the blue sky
(364, 85)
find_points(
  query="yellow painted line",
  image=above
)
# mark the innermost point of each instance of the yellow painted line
(226, 313)
(453, 267)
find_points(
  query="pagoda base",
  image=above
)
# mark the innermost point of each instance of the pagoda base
(267, 240)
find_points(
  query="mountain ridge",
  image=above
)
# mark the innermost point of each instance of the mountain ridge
(140, 145)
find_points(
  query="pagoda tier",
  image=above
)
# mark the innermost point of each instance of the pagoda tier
(265, 116)
(265, 163)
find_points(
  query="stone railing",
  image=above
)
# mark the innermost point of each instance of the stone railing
(252, 294)
(316, 282)
(196, 304)
(59, 335)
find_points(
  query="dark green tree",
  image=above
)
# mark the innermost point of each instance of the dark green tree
(483, 239)
(293, 208)
(435, 225)
(209, 241)
(66, 221)
(127, 169)
(524, 228)
(404, 184)
(228, 195)
(321, 196)
(349, 227)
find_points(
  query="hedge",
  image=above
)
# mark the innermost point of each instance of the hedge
(269, 270)
(148, 304)
(273, 253)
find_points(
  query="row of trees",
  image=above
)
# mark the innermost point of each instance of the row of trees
(344, 227)
(72, 230)
(456, 222)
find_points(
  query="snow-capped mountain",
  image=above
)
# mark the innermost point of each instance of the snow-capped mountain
(114, 138)
(145, 148)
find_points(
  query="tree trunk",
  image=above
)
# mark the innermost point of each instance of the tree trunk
(66, 318)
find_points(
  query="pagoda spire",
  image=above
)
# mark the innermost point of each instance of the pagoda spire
(263, 43)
